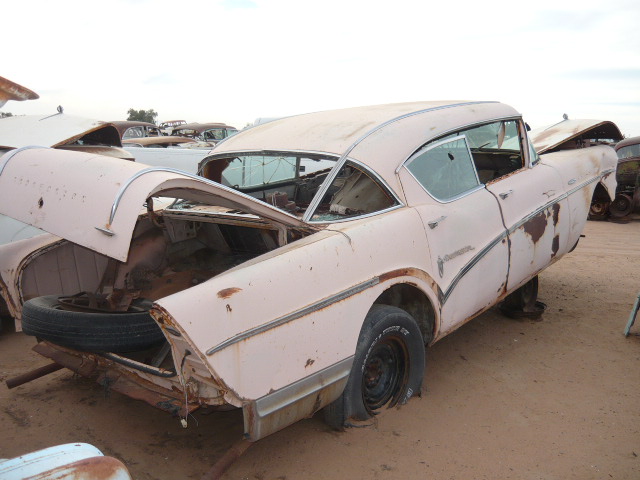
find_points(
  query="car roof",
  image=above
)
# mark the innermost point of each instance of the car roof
(201, 127)
(123, 125)
(626, 142)
(379, 136)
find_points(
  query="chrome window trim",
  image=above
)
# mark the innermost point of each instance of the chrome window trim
(431, 146)
(236, 153)
(325, 186)
(10, 154)
(458, 129)
(343, 158)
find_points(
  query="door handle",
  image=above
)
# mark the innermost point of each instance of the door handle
(504, 195)
(434, 223)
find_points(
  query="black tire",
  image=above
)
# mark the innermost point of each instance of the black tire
(45, 318)
(621, 206)
(388, 367)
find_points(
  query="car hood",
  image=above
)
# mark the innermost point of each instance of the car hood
(95, 201)
(546, 139)
(54, 130)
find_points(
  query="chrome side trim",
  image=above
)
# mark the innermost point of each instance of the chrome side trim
(303, 388)
(470, 264)
(294, 315)
(553, 202)
(9, 155)
(498, 239)
(295, 401)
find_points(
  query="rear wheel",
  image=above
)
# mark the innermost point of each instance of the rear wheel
(387, 369)
(621, 206)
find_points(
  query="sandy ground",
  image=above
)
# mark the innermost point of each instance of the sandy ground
(503, 399)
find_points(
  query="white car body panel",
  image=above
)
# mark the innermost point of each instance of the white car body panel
(72, 461)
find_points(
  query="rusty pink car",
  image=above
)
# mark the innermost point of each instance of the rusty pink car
(305, 268)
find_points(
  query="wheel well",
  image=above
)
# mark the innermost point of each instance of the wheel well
(600, 194)
(413, 301)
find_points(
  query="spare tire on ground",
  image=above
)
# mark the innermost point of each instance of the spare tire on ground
(47, 319)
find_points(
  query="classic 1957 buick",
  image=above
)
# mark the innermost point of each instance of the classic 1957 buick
(305, 268)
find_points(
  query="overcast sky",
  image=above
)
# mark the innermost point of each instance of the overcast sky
(236, 60)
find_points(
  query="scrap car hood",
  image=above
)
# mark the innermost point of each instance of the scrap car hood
(95, 201)
(546, 139)
(52, 130)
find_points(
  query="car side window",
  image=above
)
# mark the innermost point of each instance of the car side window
(353, 192)
(445, 168)
(496, 149)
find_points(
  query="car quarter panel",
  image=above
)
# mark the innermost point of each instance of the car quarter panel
(580, 170)
(297, 310)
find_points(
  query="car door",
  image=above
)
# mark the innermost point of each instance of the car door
(533, 207)
(463, 225)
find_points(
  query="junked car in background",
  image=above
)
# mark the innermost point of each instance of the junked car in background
(286, 292)
(211, 133)
(628, 177)
(167, 127)
(133, 129)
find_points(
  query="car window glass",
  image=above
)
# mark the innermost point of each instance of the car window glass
(352, 193)
(533, 155)
(133, 132)
(496, 149)
(445, 169)
(253, 170)
(214, 134)
(629, 151)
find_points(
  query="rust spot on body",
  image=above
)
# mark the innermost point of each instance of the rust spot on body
(556, 213)
(555, 245)
(228, 292)
(536, 226)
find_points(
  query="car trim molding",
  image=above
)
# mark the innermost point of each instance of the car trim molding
(447, 293)
(283, 407)
(295, 315)
(343, 158)
(9, 155)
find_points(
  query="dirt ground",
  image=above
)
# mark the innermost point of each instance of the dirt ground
(503, 399)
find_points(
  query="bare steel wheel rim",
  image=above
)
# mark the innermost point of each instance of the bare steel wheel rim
(384, 373)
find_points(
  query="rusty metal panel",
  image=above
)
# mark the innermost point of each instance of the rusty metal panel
(12, 91)
(73, 461)
(568, 134)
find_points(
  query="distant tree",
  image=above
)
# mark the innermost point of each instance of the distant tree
(142, 115)
(7, 114)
